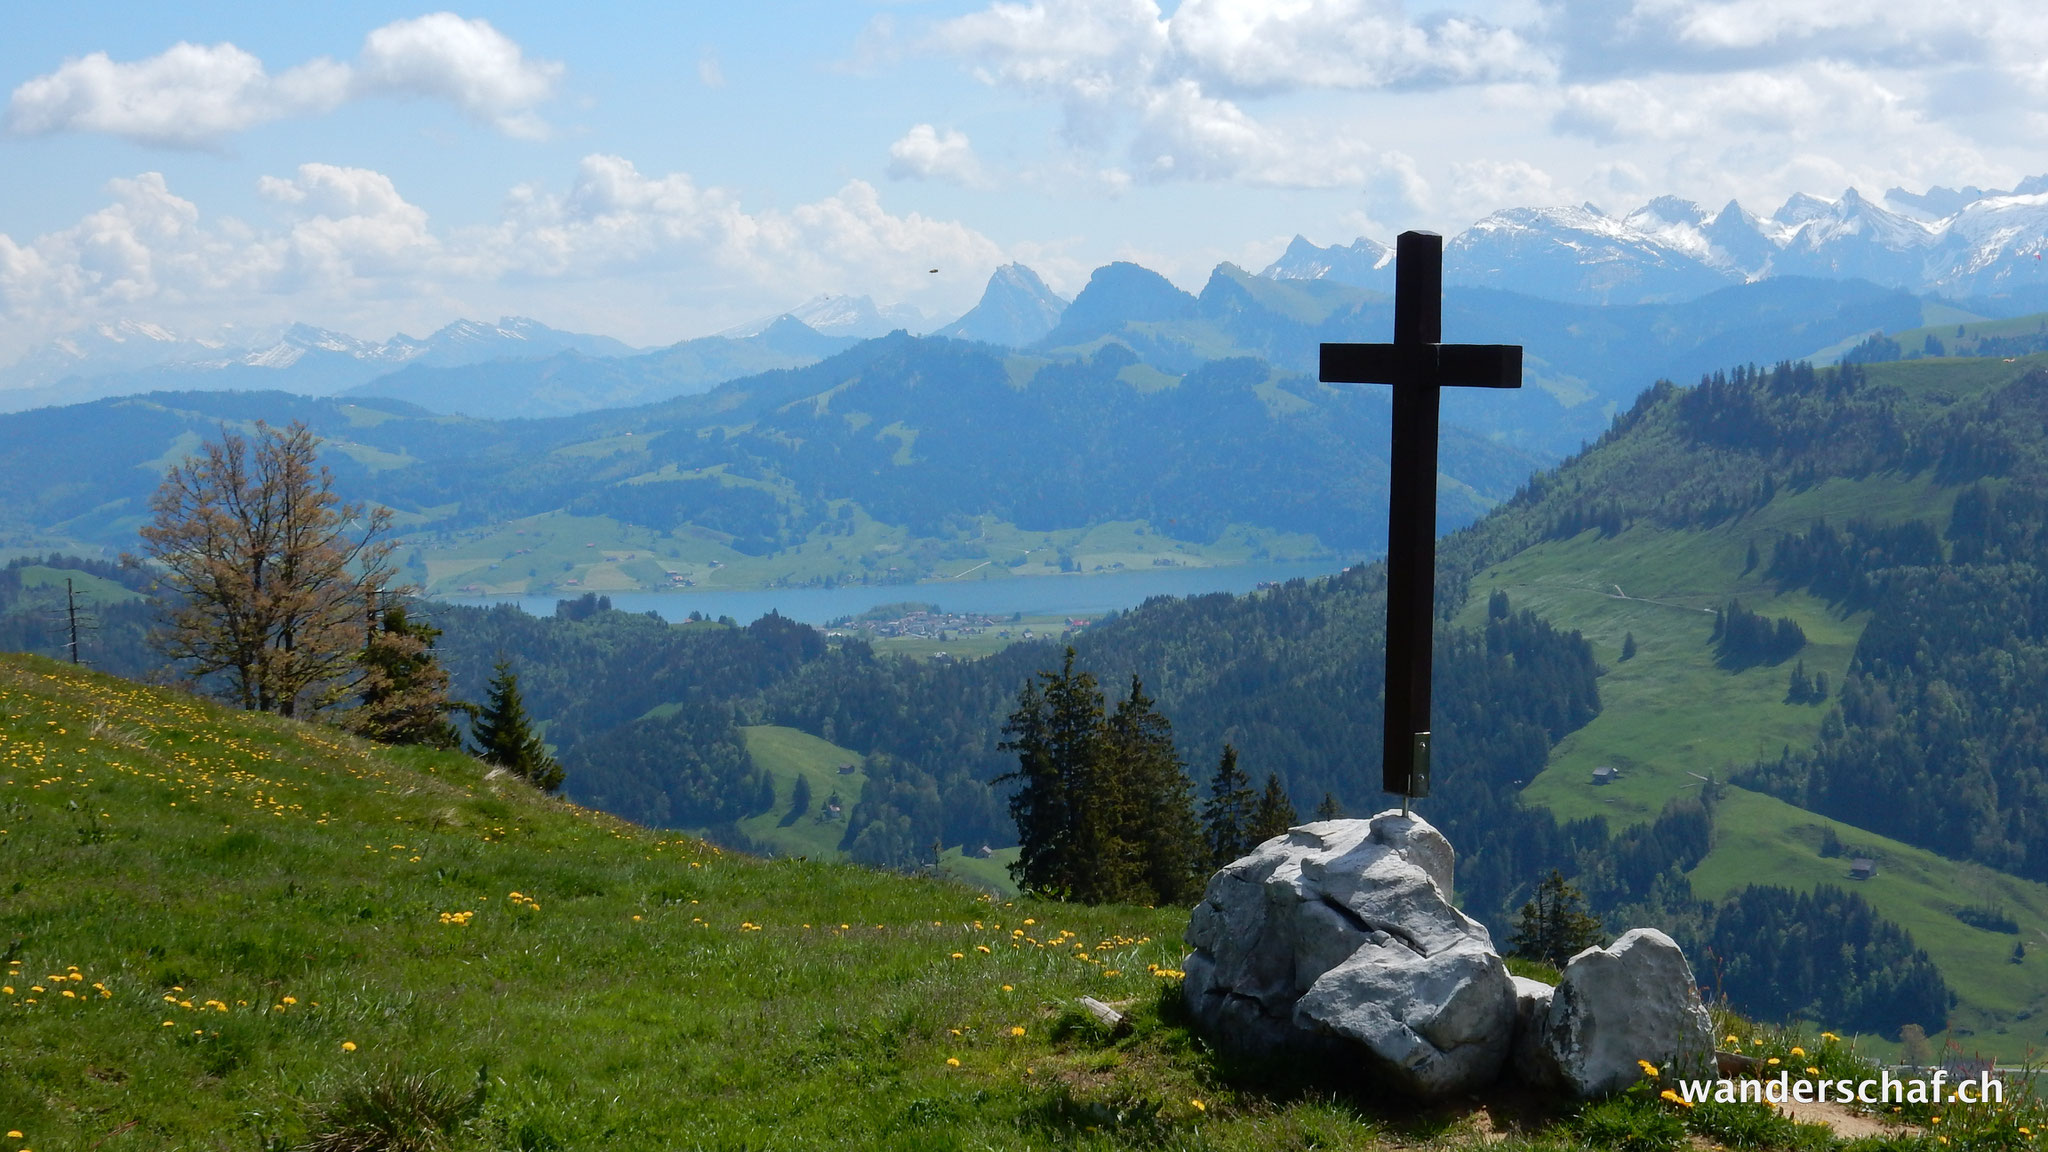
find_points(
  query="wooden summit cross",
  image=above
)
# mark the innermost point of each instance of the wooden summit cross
(1419, 366)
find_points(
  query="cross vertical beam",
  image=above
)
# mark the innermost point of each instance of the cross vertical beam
(1419, 365)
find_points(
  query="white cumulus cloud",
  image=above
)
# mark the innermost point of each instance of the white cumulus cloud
(195, 95)
(925, 153)
(645, 256)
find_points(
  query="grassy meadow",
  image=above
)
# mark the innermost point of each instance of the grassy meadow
(1673, 716)
(563, 553)
(233, 931)
(221, 928)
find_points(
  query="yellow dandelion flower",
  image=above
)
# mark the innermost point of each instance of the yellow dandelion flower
(13, 1135)
(981, 948)
(288, 1000)
(1813, 1071)
(348, 1045)
(1648, 1068)
(1798, 1051)
(1198, 1106)
(959, 956)
(1772, 1060)
(1008, 988)
(952, 1061)
(1829, 1036)
(1016, 1030)
(1732, 1040)
(1675, 1098)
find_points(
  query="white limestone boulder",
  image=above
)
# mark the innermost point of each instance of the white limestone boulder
(1615, 1006)
(1339, 941)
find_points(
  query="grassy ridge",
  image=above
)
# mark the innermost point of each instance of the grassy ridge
(1673, 714)
(260, 913)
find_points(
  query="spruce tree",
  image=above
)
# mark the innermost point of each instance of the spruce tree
(1554, 926)
(799, 801)
(1275, 813)
(1628, 646)
(1062, 805)
(1329, 809)
(403, 694)
(1227, 816)
(505, 737)
(1157, 818)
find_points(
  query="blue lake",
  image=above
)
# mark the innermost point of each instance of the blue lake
(1074, 595)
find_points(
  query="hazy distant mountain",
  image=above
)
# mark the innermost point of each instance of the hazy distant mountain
(855, 316)
(113, 359)
(571, 382)
(1015, 310)
(1981, 247)
(1119, 294)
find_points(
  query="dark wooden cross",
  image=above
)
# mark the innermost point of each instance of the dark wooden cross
(1419, 366)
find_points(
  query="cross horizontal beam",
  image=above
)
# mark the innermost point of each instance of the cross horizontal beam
(1464, 365)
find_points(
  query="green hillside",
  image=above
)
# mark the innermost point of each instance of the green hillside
(216, 923)
(1674, 504)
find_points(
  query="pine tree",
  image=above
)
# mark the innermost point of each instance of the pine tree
(1751, 559)
(1227, 817)
(403, 693)
(1275, 813)
(505, 737)
(1628, 646)
(1060, 806)
(1554, 926)
(1329, 809)
(1157, 817)
(799, 801)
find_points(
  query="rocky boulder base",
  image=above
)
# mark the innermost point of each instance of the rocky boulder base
(1633, 1001)
(1339, 942)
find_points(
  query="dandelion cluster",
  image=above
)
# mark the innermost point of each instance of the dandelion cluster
(458, 919)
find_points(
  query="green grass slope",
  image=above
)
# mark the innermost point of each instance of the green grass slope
(2004, 1009)
(215, 923)
(1673, 716)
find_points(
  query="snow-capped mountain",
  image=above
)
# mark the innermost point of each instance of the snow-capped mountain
(1963, 244)
(108, 359)
(855, 316)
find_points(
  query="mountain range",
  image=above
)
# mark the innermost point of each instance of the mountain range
(1980, 247)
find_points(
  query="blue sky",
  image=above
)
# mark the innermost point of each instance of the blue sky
(660, 171)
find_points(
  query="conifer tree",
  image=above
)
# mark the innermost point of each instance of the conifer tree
(1275, 813)
(505, 737)
(1329, 809)
(1157, 821)
(1227, 816)
(1554, 926)
(1056, 731)
(403, 692)
(1628, 646)
(799, 801)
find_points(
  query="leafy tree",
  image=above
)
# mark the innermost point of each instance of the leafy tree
(268, 589)
(403, 693)
(505, 737)
(1227, 815)
(1554, 926)
(1275, 813)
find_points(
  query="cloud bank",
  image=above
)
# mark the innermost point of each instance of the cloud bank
(196, 95)
(649, 257)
